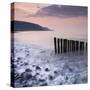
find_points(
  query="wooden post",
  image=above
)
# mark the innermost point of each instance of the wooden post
(82, 45)
(77, 45)
(86, 46)
(69, 45)
(65, 45)
(58, 45)
(61, 48)
(74, 46)
(55, 45)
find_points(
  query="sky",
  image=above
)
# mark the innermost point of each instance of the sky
(65, 21)
(51, 10)
(30, 8)
(63, 11)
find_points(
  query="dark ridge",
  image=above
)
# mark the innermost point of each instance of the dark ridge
(63, 11)
(26, 26)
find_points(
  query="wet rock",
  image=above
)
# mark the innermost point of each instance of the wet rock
(29, 76)
(27, 55)
(38, 68)
(33, 65)
(55, 72)
(25, 64)
(41, 80)
(22, 81)
(70, 69)
(84, 80)
(75, 81)
(46, 69)
(22, 65)
(44, 84)
(34, 78)
(26, 76)
(60, 83)
(19, 58)
(66, 78)
(67, 68)
(28, 70)
(50, 77)
(37, 74)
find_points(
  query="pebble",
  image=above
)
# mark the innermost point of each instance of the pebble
(38, 68)
(46, 69)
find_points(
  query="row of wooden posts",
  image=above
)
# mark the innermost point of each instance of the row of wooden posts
(65, 45)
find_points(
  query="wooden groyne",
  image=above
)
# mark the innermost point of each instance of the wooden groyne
(66, 45)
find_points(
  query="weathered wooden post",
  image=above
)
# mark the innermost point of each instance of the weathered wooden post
(77, 45)
(58, 45)
(69, 45)
(82, 45)
(61, 44)
(65, 45)
(55, 45)
(72, 45)
(86, 46)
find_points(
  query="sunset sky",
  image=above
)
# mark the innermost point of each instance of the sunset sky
(65, 21)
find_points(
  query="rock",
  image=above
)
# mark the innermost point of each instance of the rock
(26, 85)
(44, 84)
(19, 58)
(37, 73)
(75, 81)
(27, 55)
(33, 65)
(70, 69)
(66, 78)
(28, 70)
(46, 69)
(34, 78)
(41, 80)
(38, 68)
(84, 79)
(55, 72)
(25, 64)
(60, 83)
(26, 76)
(50, 77)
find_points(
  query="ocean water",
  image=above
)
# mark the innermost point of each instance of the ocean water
(39, 66)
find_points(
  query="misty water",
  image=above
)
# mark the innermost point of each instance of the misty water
(36, 64)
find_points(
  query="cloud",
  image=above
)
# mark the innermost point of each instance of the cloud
(62, 11)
